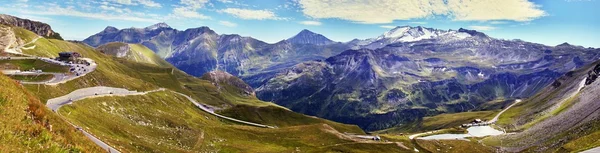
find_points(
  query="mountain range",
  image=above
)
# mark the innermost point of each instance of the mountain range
(201, 50)
(399, 77)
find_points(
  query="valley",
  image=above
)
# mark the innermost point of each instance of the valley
(118, 79)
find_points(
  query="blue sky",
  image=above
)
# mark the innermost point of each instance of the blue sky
(549, 22)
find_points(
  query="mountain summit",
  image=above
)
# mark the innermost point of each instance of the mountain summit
(157, 26)
(403, 34)
(309, 37)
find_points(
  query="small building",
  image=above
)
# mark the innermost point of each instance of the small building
(68, 56)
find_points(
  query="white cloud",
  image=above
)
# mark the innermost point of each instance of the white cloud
(148, 3)
(388, 26)
(225, 1)
(188, 13)
(36, 18)
(57, 10)
(115, 9)
(227, 23)
(386, 11)
(248, 14)
(126, 2)
(482, 28)
(498, 22)
(417, 22)
(194, 4)
(189, 9)
(312, 23)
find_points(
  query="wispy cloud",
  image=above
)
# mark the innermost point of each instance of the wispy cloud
(311, 23)
(386, 11)
(249, 14)
(147, 3)
(188, 13)
(417, 22)
(482, 28)
(498, 22)
(227, 24)
(189, 9)
(388, 26)
(57, 10)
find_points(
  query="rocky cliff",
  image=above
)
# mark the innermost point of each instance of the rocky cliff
(39, 28)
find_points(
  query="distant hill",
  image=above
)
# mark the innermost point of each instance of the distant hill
(134, 52)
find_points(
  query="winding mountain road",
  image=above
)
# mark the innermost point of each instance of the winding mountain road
(210, 111)
(102, 91)
(504, 110)
(59, 78)
(93, 92)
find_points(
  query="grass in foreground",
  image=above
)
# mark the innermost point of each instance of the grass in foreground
(453, 146)
(32, 78)
(28, 64)
(26, 125)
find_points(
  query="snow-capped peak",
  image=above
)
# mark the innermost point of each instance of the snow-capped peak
(411, 34)
(158, 25)
(396, 32)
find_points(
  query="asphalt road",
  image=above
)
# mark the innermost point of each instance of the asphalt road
(210, 111)
(593, 150)
(59, 78)
(92, 92)
(101, 91)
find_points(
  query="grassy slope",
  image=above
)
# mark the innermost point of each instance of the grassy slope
(144, 52)
(453, 146)
(272, 115)
(23, 34)
(28, 64)
(26, 125)
(32, 78)
(158, 122)
(545, 105)
(137, 53)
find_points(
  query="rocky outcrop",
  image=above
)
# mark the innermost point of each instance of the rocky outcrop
(593, 75)
(7, 38)
(116, 49)
(222, 79)
(39, 28)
